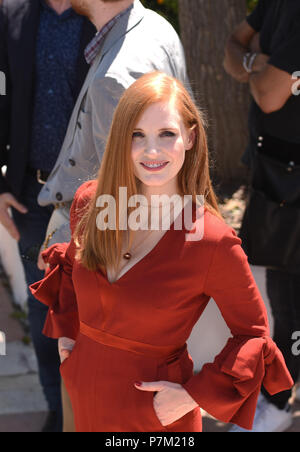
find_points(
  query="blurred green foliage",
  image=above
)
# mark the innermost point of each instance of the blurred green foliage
(169, 9)
(251, 4)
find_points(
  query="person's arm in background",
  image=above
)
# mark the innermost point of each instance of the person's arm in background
(239, 43)
(7, 200)
(273, 85)
(270, 85)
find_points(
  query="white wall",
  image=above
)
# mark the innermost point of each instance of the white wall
(211, 332)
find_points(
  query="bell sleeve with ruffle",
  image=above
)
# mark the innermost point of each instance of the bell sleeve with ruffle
(228, 388)
(56, 291)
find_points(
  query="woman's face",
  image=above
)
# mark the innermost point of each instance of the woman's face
(159, 143)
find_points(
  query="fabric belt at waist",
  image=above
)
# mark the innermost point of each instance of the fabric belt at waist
(104, 338)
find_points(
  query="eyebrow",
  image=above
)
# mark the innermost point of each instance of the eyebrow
(161, 130)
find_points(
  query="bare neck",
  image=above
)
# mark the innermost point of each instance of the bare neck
(101, 13)
(60, 6)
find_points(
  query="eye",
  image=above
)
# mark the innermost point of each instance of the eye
(138, 135)
(167, 133)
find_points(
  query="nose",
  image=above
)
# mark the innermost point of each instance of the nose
(151, 153)
(151, 149)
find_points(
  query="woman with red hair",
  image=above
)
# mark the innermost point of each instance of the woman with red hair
(126, 299)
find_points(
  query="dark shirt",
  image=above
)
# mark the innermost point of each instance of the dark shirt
(57, 51)
(278, 22)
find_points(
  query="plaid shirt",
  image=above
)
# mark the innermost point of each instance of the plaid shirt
(94, 46)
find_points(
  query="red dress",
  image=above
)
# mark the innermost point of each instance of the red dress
(137, 327)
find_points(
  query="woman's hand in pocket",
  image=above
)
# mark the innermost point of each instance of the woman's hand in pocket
(65, 347)
(171, 402)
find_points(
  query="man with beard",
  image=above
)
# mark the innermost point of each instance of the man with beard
(41, 55)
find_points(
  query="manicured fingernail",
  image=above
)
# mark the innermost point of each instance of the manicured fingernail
(138, 383)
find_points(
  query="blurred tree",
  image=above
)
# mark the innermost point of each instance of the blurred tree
(169, 9)
(205, 27)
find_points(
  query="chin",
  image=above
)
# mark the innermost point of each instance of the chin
(80, 7)
(155, 183)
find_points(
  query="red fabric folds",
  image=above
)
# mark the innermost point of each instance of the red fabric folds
(229, 387)
(215, 267)
(56, 288)
(56, 291)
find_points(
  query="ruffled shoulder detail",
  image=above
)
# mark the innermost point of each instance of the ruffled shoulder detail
(82, 198)
(228, 389)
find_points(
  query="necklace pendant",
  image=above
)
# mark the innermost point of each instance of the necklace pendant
(127, 256)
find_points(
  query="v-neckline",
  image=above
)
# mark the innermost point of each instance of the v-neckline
(143, 259)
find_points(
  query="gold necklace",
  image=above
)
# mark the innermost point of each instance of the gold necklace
(128, 255)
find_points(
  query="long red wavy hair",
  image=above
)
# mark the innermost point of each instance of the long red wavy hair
(98, 249)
